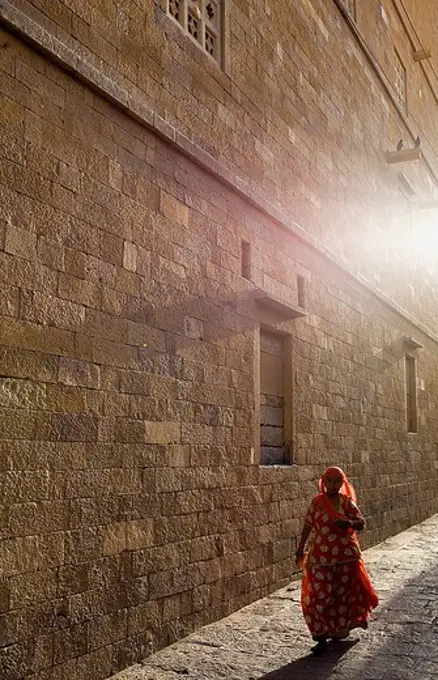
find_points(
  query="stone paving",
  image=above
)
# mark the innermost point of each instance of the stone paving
(268, 640)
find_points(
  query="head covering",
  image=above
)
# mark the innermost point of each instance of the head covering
(347, 488)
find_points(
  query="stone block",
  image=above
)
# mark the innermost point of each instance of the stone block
(270, 455)
(48, 310)
(4, 598)
(69, 177)
(9, 302)
(31, 336)
(95, 666)
(65, 671)
(16, 424)
(271, 436)
(107, 629)
(115, 539)
(173, 209)
(21, 394)
(73, 579)
(135, 383)
(85, 545)
(143, 261)
(50, 551)
(129, 431)
(50, 253)
(144, 617)
(18, 555)
(179, 456)
(10, 624)
(271, 416)
(130, 254)
(193, 328)
(132, 650)
(30, 588)
(25, 486)
(79, 373)
(32, 276)
(15, 661)
(20, 242)
(113, 250)
(78, 290)
(74, 427)
(139, 534)
(12, 146)
(320, 412)
(75, 264)
(29, 518)
(70, 643)
(162, 432)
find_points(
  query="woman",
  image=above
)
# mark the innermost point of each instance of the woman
(336, 593)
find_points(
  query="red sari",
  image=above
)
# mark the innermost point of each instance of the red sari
(336, 594)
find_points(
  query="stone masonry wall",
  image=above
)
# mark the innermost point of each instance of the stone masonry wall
(297, 111)
(133, 508)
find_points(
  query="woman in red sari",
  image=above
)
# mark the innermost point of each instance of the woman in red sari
(336, 592)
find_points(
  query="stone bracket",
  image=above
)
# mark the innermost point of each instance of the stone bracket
(279, 307)
(403, 156)
(420, 55)
(411, 344)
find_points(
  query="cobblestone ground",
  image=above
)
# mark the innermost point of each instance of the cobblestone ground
(268, 640)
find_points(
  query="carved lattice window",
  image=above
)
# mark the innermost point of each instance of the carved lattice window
(202, 20)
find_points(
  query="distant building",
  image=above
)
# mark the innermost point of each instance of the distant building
(218, 255)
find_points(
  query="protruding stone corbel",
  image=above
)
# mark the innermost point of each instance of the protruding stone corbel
(403, 156)
(421, 55)
(279, 307)
(411, 344)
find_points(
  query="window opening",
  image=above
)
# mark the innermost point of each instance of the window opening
(411, 393)
(273, 450)
(301, 287)
(400, 81)
(202, 20)
(246, 260)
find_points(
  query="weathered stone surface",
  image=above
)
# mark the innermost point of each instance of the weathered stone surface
(130, 256)
(78, 373)
(20, 242)
(21, 394)
(74, 427)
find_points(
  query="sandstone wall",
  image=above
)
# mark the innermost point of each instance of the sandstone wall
(133, 506)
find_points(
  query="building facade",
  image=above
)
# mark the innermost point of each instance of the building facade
(218, 267)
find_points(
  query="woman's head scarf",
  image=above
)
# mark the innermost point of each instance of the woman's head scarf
(347, 488)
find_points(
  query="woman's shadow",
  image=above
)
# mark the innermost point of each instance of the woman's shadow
(312, 667)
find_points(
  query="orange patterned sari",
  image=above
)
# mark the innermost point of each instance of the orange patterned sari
(337, 594)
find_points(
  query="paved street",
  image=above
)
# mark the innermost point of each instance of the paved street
(269, 641)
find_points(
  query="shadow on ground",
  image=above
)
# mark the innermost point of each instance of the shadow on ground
(313, 667)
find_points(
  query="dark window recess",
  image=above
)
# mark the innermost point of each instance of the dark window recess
(301, 286)
(411, 394)
(272, 436)
(246, 260)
